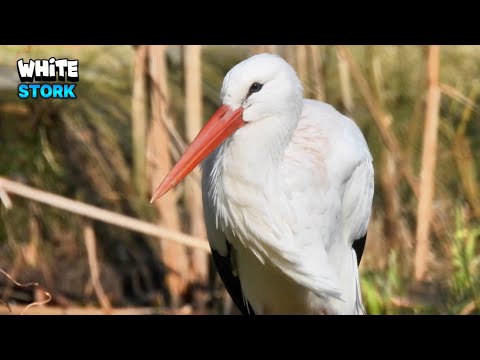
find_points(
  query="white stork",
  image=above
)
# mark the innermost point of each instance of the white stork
(287, 194)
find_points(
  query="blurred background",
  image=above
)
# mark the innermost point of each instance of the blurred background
(137, 108)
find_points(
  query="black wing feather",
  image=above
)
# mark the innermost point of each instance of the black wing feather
(359, 245)
(231, 282)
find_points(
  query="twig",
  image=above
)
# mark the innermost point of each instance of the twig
(106, 216)
(16, 282)
(89, 236)
(36, 303)
(76, 310)
(457, 95)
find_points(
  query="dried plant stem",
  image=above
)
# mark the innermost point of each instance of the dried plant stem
(193, 125)
(383, 121)
(90, 244)
(173, 255)
(139, 120)
(345, 85)
(106, 216)
(317, 74)
(429, 157)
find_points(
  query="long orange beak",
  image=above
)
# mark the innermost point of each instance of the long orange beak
(221, 125)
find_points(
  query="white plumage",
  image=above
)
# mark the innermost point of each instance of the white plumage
(286, 195)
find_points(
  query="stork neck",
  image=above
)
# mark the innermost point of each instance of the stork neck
(258, 148)
(245, 174)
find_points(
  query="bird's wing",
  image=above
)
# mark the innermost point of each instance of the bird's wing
(221, 248)
(356, 210)
(327, 175)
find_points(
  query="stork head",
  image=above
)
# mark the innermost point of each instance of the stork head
(260, 87)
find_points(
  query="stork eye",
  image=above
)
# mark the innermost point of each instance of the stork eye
(256, 87)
